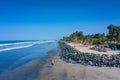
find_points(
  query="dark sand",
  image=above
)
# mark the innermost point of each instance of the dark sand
(28, 71)
(43, 70)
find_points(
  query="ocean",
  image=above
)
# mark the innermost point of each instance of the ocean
(14, 54)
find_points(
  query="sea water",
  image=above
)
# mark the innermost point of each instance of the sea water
(14, 54)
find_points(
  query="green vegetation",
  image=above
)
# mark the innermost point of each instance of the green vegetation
(81, 38)
(114, 33)
(113, 37)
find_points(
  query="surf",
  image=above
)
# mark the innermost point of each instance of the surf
(18, 45)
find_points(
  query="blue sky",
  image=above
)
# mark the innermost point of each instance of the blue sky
(53, 19)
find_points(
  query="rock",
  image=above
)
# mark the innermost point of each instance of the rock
(71, 55)
(90, 63)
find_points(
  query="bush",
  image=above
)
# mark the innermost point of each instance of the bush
(95, 41)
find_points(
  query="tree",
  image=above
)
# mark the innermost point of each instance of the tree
(114, 32)
(103, 38)
(119, 37)
(77, 36)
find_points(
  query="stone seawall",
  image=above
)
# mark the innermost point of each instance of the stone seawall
(71, 55)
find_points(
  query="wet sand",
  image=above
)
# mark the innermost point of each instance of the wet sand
(68, 71)
(28, 71)
(43, 70)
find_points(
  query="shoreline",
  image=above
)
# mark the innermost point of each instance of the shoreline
(71, 54)
(61, 70)
(28, 71)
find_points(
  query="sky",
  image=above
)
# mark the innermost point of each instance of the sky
(53, 19)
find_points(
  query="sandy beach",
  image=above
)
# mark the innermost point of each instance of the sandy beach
(87, 48)
(59, 39)
(68, 71)
(43, 70)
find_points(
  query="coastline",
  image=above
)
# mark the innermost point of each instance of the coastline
(28, 71)
(69, 71)
(61, 70)
(71, 54)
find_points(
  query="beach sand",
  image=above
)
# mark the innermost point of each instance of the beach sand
(87, 48)
(43, 70)
(68, 71)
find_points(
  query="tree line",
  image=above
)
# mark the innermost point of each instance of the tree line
(113, 36)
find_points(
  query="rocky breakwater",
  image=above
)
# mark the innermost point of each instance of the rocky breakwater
(71, 55)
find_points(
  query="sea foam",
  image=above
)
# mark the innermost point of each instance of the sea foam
(18, 45)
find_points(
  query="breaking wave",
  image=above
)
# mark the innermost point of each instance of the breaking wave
(18, 45)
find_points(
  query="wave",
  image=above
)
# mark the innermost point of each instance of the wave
(14, 48)
(18, 45)
(14, 43)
